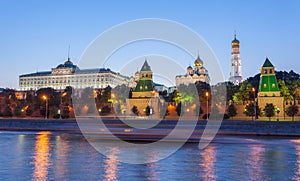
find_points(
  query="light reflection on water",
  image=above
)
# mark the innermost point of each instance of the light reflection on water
(56, 156)
(41, 160)
(62, 149)
(111, 164)
(297, 170)
(207, 164)
(255, 161)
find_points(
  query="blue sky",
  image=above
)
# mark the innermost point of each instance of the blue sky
(35, 35)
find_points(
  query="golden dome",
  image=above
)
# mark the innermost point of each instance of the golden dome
(198, 62)
(235, 41)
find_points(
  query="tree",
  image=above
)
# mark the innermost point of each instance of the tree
(135, 110)
(18, 111)
(284, 91)
(163, 110)
(30, 110)
(198, 110)
(269, 111)
(65, 114)
(231, 89)
(7, 112)
(118, 109)
(105, 110)
(292, 111)
(178, 109)
(231, 110)
(245, 93)
(202, 88)
(121, 93)
(249, 110)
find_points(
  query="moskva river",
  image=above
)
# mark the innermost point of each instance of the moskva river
(61, 156)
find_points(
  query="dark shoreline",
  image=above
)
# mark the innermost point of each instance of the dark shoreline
(228, 128)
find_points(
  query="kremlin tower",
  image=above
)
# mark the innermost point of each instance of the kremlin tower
(236, 64)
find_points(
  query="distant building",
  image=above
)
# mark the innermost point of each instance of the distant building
(268, 88)
(194, 74)
(68, 74)
(133, 81)
(160, 87)
(144, 94)
(236, 63)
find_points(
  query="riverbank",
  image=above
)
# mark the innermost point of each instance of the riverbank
(228, 127)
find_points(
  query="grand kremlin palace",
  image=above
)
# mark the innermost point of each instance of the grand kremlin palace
(68, 74)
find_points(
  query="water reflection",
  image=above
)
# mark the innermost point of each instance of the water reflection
(207, 165)
(62, 149)
(41, 158)
(111, 164)
(151, 174)
(255, 162)
(297, 147)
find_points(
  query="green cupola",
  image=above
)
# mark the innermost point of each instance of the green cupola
(268, 85)
(145, 83)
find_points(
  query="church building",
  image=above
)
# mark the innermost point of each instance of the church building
(194, 74)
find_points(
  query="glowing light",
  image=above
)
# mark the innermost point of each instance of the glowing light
(127, 130)
(44, 97)
(41, 156)
(206, 94)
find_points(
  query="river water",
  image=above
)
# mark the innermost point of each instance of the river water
(60, 156)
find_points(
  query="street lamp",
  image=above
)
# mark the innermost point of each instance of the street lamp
(46, 99)
(253, 90)
(206, 94)
(60, 106)
(277, 111)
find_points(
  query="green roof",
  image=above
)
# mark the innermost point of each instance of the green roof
(268, 63)
(146, 66)
(268, 83)
(144, 85)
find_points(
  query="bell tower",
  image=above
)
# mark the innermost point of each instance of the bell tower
(236, 63)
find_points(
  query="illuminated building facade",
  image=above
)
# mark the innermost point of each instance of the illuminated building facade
(194, 74)
(68, 74)
(236, 63)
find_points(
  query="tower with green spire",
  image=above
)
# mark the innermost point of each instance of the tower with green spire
(144, 94)
(268, 86)
(145, 83)
(268, 91)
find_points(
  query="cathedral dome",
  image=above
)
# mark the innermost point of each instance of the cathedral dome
(189, 68)
(198, 62)
(67, 64)
(235, 41)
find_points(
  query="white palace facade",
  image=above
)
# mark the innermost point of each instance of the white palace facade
(68, 74)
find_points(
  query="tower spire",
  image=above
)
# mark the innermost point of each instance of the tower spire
(69, 53)
(236, 63)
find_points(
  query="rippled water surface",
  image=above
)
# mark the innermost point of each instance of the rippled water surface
(58, 156)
